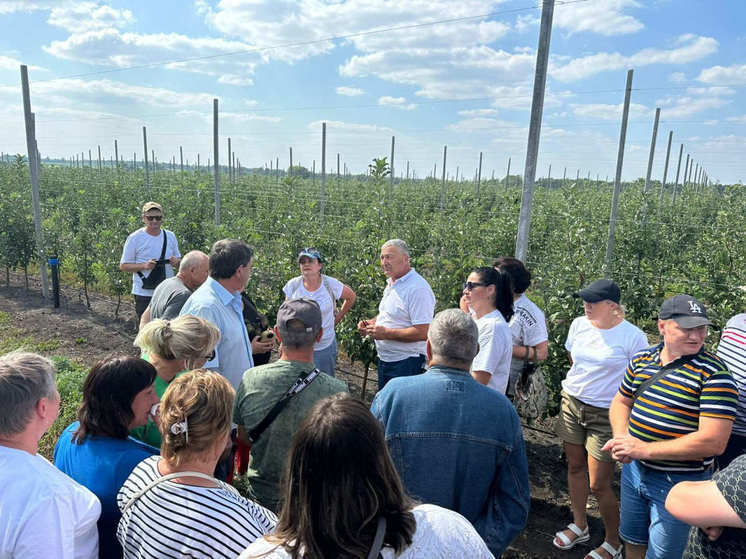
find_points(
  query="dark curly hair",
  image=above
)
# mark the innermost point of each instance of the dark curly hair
(520, 277)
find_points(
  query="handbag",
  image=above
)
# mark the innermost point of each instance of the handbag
(158, 273)
(531, 394)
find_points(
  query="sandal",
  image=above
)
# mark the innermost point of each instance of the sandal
(567, 543)
(608, 548)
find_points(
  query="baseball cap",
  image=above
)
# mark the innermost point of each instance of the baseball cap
(152, 206)
(600, 290)
(306, 311)
(685, 310)
(310, 253)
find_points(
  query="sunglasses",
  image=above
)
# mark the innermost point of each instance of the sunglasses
(210, 357)
(154, 217)
(469, 285)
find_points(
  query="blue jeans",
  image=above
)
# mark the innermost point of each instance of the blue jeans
(325, 360)
(644, 518)
(404, 368)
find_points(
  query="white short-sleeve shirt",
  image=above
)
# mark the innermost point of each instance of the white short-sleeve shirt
(43, 512)
(528, 327)
(440, 534)
(495, 350)
(599, 359)
(140, 247)
(294, 289)
(406, 302)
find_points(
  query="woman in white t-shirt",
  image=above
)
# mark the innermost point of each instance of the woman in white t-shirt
(601, 344)
(342, 495)
(325, 290)
(487, 296)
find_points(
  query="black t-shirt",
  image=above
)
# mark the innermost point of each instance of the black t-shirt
(731, 482)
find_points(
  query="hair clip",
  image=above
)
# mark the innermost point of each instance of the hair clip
(181, 427)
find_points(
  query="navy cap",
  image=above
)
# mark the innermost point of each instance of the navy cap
(685, 310)
(600, 290)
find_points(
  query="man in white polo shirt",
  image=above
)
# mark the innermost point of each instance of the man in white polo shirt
(404, 316)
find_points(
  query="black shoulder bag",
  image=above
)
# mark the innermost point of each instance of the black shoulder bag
(644, 385)
(298, 386)
(158, 273)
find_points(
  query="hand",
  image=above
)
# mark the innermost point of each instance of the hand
(362, 327)
(712, 532)
(174, 261)
(261, 347)
(377, 332)
(150, 264)
(626, 448)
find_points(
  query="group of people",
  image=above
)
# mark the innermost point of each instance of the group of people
(436, 467)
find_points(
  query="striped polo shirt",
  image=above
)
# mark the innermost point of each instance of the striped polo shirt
(698, 385)
(732, 350)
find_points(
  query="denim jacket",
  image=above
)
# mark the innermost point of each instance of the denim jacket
(459, 444)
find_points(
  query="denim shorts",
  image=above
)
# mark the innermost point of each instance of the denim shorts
(404, 368)
(644, 518)
(325, 360)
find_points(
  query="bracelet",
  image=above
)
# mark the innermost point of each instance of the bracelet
(528, 350)
(535, 353)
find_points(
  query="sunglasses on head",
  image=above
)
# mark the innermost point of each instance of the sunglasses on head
(154, 217)
(211, 356)
(469, 285)
(310, 252)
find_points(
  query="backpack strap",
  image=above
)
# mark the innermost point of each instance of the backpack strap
(325, 281)
(167, 477)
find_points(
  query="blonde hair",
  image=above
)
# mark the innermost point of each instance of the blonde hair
(185, 337)
(619, 311)
(200, 404)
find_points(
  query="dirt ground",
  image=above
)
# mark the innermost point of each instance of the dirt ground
(86, 335)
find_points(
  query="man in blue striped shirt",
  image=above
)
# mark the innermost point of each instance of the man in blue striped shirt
(673, 413)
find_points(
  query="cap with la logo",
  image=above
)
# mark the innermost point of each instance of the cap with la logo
(685, 310)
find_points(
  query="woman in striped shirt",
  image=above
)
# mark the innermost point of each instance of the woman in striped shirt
(171, 505)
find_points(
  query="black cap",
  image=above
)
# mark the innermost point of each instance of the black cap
(685, 310)
(600, 290)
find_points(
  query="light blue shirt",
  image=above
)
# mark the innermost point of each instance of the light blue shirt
(224, 309)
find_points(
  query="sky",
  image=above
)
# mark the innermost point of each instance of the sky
(431, 73)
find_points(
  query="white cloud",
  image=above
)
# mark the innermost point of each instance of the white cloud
(349, 91)
(731, 75)
(478, 112)
(610, 112)
(13, 6)
(75, 91)
(9, 63)
(737, 119)
(605, 17)
(677, 77)
(202, 55)
(526, 22)
(689, 48)
(681, 107)
(87, 16)
(396, 102)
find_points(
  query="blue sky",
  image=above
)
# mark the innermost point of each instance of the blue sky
(430, 72)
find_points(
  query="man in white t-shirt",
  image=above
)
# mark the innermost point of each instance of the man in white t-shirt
(142, 255)
(404, 316)
(43, 513)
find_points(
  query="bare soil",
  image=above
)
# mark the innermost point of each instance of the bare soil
(87, 335)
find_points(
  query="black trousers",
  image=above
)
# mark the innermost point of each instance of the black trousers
(141, 303)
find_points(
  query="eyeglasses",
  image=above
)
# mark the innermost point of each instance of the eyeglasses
(469, 285)
(154, 217)
(210, 357)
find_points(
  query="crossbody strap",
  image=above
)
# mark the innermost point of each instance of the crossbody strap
(375, 549)
(161, 479)
(648, 381)
(297, 387)
(163, 253)
(324, 280)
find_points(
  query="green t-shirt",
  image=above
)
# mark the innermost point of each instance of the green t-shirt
(149, 433)
(260, 389)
